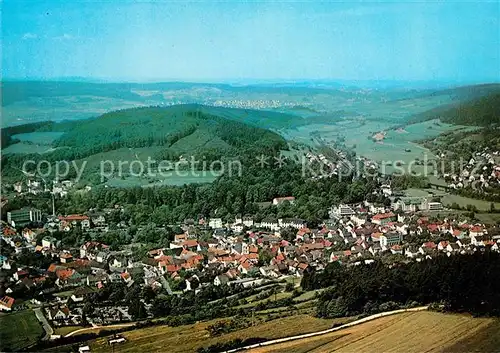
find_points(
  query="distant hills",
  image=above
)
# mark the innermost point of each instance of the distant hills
(482, 108)
(302, 102)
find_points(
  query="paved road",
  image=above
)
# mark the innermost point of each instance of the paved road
(357, 322)
(45, 324)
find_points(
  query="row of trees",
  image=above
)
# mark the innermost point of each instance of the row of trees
(464, 283)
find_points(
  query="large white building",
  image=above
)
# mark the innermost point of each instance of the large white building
(341, 211)
(215, 223)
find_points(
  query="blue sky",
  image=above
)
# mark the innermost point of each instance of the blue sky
(216, 41)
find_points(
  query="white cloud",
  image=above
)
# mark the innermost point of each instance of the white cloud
(65, 36)
(28, 36)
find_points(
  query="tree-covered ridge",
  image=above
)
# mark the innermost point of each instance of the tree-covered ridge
(483, 111)
(159, 126)
(464, 283)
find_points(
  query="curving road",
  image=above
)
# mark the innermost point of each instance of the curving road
(306, 335)
(96, 327)
(45, 324)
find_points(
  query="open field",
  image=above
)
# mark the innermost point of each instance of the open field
(488, 218)
(464, 201)
(19, 330)
(408, 332)
(190, 337)
(26, 148)
(253, 301)
(41, 138)
(64, 330)
(307, 295)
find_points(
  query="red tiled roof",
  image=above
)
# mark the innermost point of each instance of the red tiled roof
(246, 265)
(168, 260)
(64, 274)
(432, 227)
(253, 256)
(73, 217)
(9, 231)
(190, 243)
(7, 301)
(286, 198)
(52, 268)
(173, 268)
(383, 215)
(303, 266)
(125, 275)
(429, 245)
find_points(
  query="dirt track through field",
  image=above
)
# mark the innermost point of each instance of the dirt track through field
(408, 332)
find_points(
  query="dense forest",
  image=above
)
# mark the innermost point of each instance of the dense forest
(158, 126)
(483, 111)
(226, 197)
(465, 283)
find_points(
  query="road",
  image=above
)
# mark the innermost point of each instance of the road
(45, 324)
(95, 327)
(307, 335)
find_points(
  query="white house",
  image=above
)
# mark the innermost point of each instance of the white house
(291, 222)
(270, 223)
(215, 223)
(341, 211)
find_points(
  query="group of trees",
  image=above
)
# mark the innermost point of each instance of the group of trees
(227, 197)
(464, 283)
(133, 297)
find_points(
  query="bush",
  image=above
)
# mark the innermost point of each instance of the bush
(236, 343)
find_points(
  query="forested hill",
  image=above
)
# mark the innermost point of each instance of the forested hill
(176, 130)
(483, 111)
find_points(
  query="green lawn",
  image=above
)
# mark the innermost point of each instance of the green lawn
(464, 201)
(307, 295)
(19, 330)
(280, 295)
(64, 330)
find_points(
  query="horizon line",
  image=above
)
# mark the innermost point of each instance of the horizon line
(248, 81)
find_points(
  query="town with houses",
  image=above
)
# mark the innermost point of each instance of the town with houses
(244, 252)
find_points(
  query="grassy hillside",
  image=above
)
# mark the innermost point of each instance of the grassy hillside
(189, 338)
(409, 332)
(19, 330)
(482, 111)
